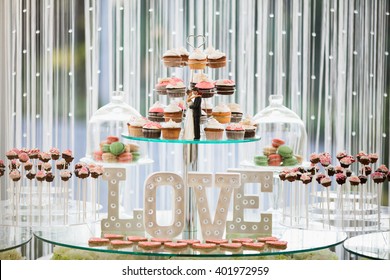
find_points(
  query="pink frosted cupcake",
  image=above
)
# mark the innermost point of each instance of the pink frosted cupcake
(156, 112)
(161, 86)
(225, 87)
(235, 131)
(152, 130)
(205, 88)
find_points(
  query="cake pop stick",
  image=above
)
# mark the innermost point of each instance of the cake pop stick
(2, 171)
(354, 181)
(65, 176)
(291, 177)
(49, 179)
(83, 174)
(30, 176)
(363, 181)
(378, 178)
(15, 177)
(41, 176)
(282, 176)
(306, 179)
(340, 180)
(326, 182)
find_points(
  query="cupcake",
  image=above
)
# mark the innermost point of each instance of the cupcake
(236, 112)
(203, 117)
(156, 112)
(222, 113)
(135, 127)
(214, 130)
(250, 131)
(184, 54)
(197, 60)
(171, 130)
(161, 86)
(248, 120)
(172, 58)
(173, 112)
(216, 59)
(151, 130)
(207, 107)
(225, 87)
(176, 89)
(197, 78)
(235, 131)
(205, 88)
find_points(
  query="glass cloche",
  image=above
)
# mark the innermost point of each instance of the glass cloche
(106, 126)
(283, 135)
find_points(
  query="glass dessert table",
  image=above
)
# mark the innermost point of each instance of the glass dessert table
(372, 245)
(299, 241)
(12, 237)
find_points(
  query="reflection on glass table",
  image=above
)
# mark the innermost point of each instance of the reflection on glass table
(299, 241)
(372, 245)
(13, 237)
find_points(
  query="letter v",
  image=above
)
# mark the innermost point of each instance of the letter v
(213, 229)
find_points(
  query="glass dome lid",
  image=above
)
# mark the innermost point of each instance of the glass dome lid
(278, 121)
(109, 120)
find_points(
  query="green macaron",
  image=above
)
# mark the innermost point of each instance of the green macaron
(117, 148)
(106, 148)
(291, 161)
(285, 151)
(261, 160)
(136, 156)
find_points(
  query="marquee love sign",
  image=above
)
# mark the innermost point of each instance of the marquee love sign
(213, 225)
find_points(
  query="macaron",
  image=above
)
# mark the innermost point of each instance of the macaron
(261, 160)
(175, 246)
(254, 246)
(217, 241)
(276, 142)
(112, 139)
(97, 241)
(125, 157)
(231, 246)
(291, 161)
(106, 148)
(269, 150)
(148, 245)
(121, 243)
(285, 151)
(204, 246)
(274, 160)
(113, 236)
(117, 148)
(277, 244)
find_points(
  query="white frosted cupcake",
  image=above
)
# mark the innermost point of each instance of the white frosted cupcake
(184, 55)
(176, 89)
(222, 113)
(135, 127)
(216, 59)
(197, 60)
(173, 112)
(171, 130)
(214, 130)
(207, 107)
(236, 112)
(172, 58)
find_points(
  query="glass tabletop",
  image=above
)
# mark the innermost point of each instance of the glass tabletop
(183, 141)
(372, 245)
(12, 237)
(299, 241)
